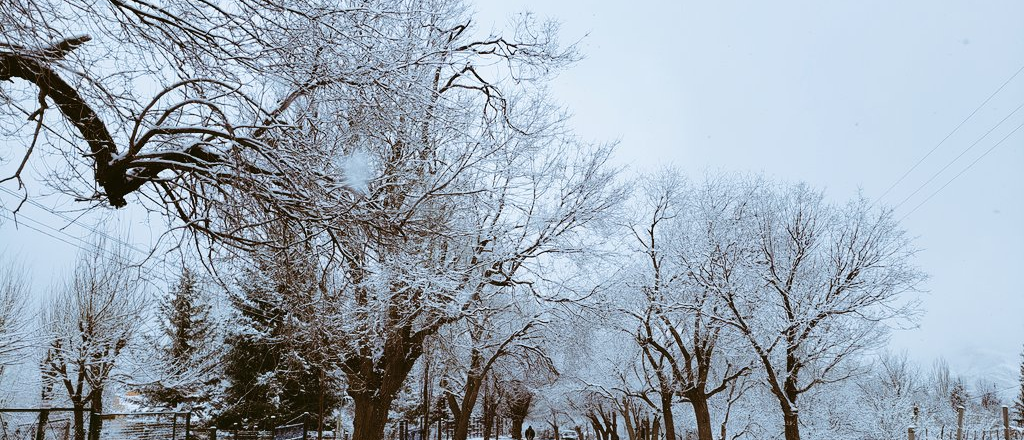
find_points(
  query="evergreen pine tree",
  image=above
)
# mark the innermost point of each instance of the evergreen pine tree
(275, 369)
(187, 332)
(958, 395)
(186, 319)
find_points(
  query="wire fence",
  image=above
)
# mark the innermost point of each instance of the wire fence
(303, 427)
(944, 433)
(958, 432)
(82, 424)
(144, 426)
(37, 424)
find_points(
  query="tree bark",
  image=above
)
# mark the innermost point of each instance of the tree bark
(703, 417)
(791, 425)
(374, 384)
(517, 428)
(96, 408)
(462, 417)
(666, 414)
(79, 416)
(490, 408)
(463, 412)
(371, 416)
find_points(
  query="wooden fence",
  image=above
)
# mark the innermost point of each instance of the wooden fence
(1005, 432)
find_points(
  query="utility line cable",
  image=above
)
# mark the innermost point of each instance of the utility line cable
(20, 223)
(962, 153)
(955, 129)
(75, 241)
(70, 221)
(964, 170)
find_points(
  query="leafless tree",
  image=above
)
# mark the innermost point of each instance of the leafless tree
(422, 164)
(600, 411)
(888, 395)
(225, 117)
(824, 280)
(521, 399)
(685, 265)
(490, 334)
(90, 320)
(14, 327)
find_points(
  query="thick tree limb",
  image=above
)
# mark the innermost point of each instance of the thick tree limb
(32, 67)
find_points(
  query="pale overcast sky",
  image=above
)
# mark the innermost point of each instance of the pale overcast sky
(843, 95)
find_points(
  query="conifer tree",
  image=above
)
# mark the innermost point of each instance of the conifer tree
(188, 340)
(958, 395)
(186, 318)
(276, 365)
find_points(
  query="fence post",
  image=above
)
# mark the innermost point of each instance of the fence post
(305, 426)
(188, 424)
(174, 425)
(1006, 422)
(959, 422)
(910, 433)
(213, 433)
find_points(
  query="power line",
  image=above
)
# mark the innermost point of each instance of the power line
(71, 221)
(962, 153)
(77, 242)
(11, 218)
(964, 170)
(955, 129)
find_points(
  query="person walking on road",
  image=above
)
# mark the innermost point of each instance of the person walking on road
(530, 434)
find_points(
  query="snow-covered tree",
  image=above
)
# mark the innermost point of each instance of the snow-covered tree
(824, 280)
(987, 393)
(14, 330)
(519, 403)
(886, 396)
(691, 254)
(88, 323)
(959, 397)
(188, 348)
(492, 333)
(278, 361)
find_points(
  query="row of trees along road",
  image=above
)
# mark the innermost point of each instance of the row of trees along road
(796, 285)
(372, 178)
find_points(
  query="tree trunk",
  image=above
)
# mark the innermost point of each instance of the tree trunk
(96, 408)
(517, 428)
(666, 414)
(79, 417)
(373, 388)
(371, 416)
(599, 430)
(44, 418)
(488, 421)
(373, 384)
(490, 408)
(702, 416)
(461, 426)
(791, 425)
(464, 411)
